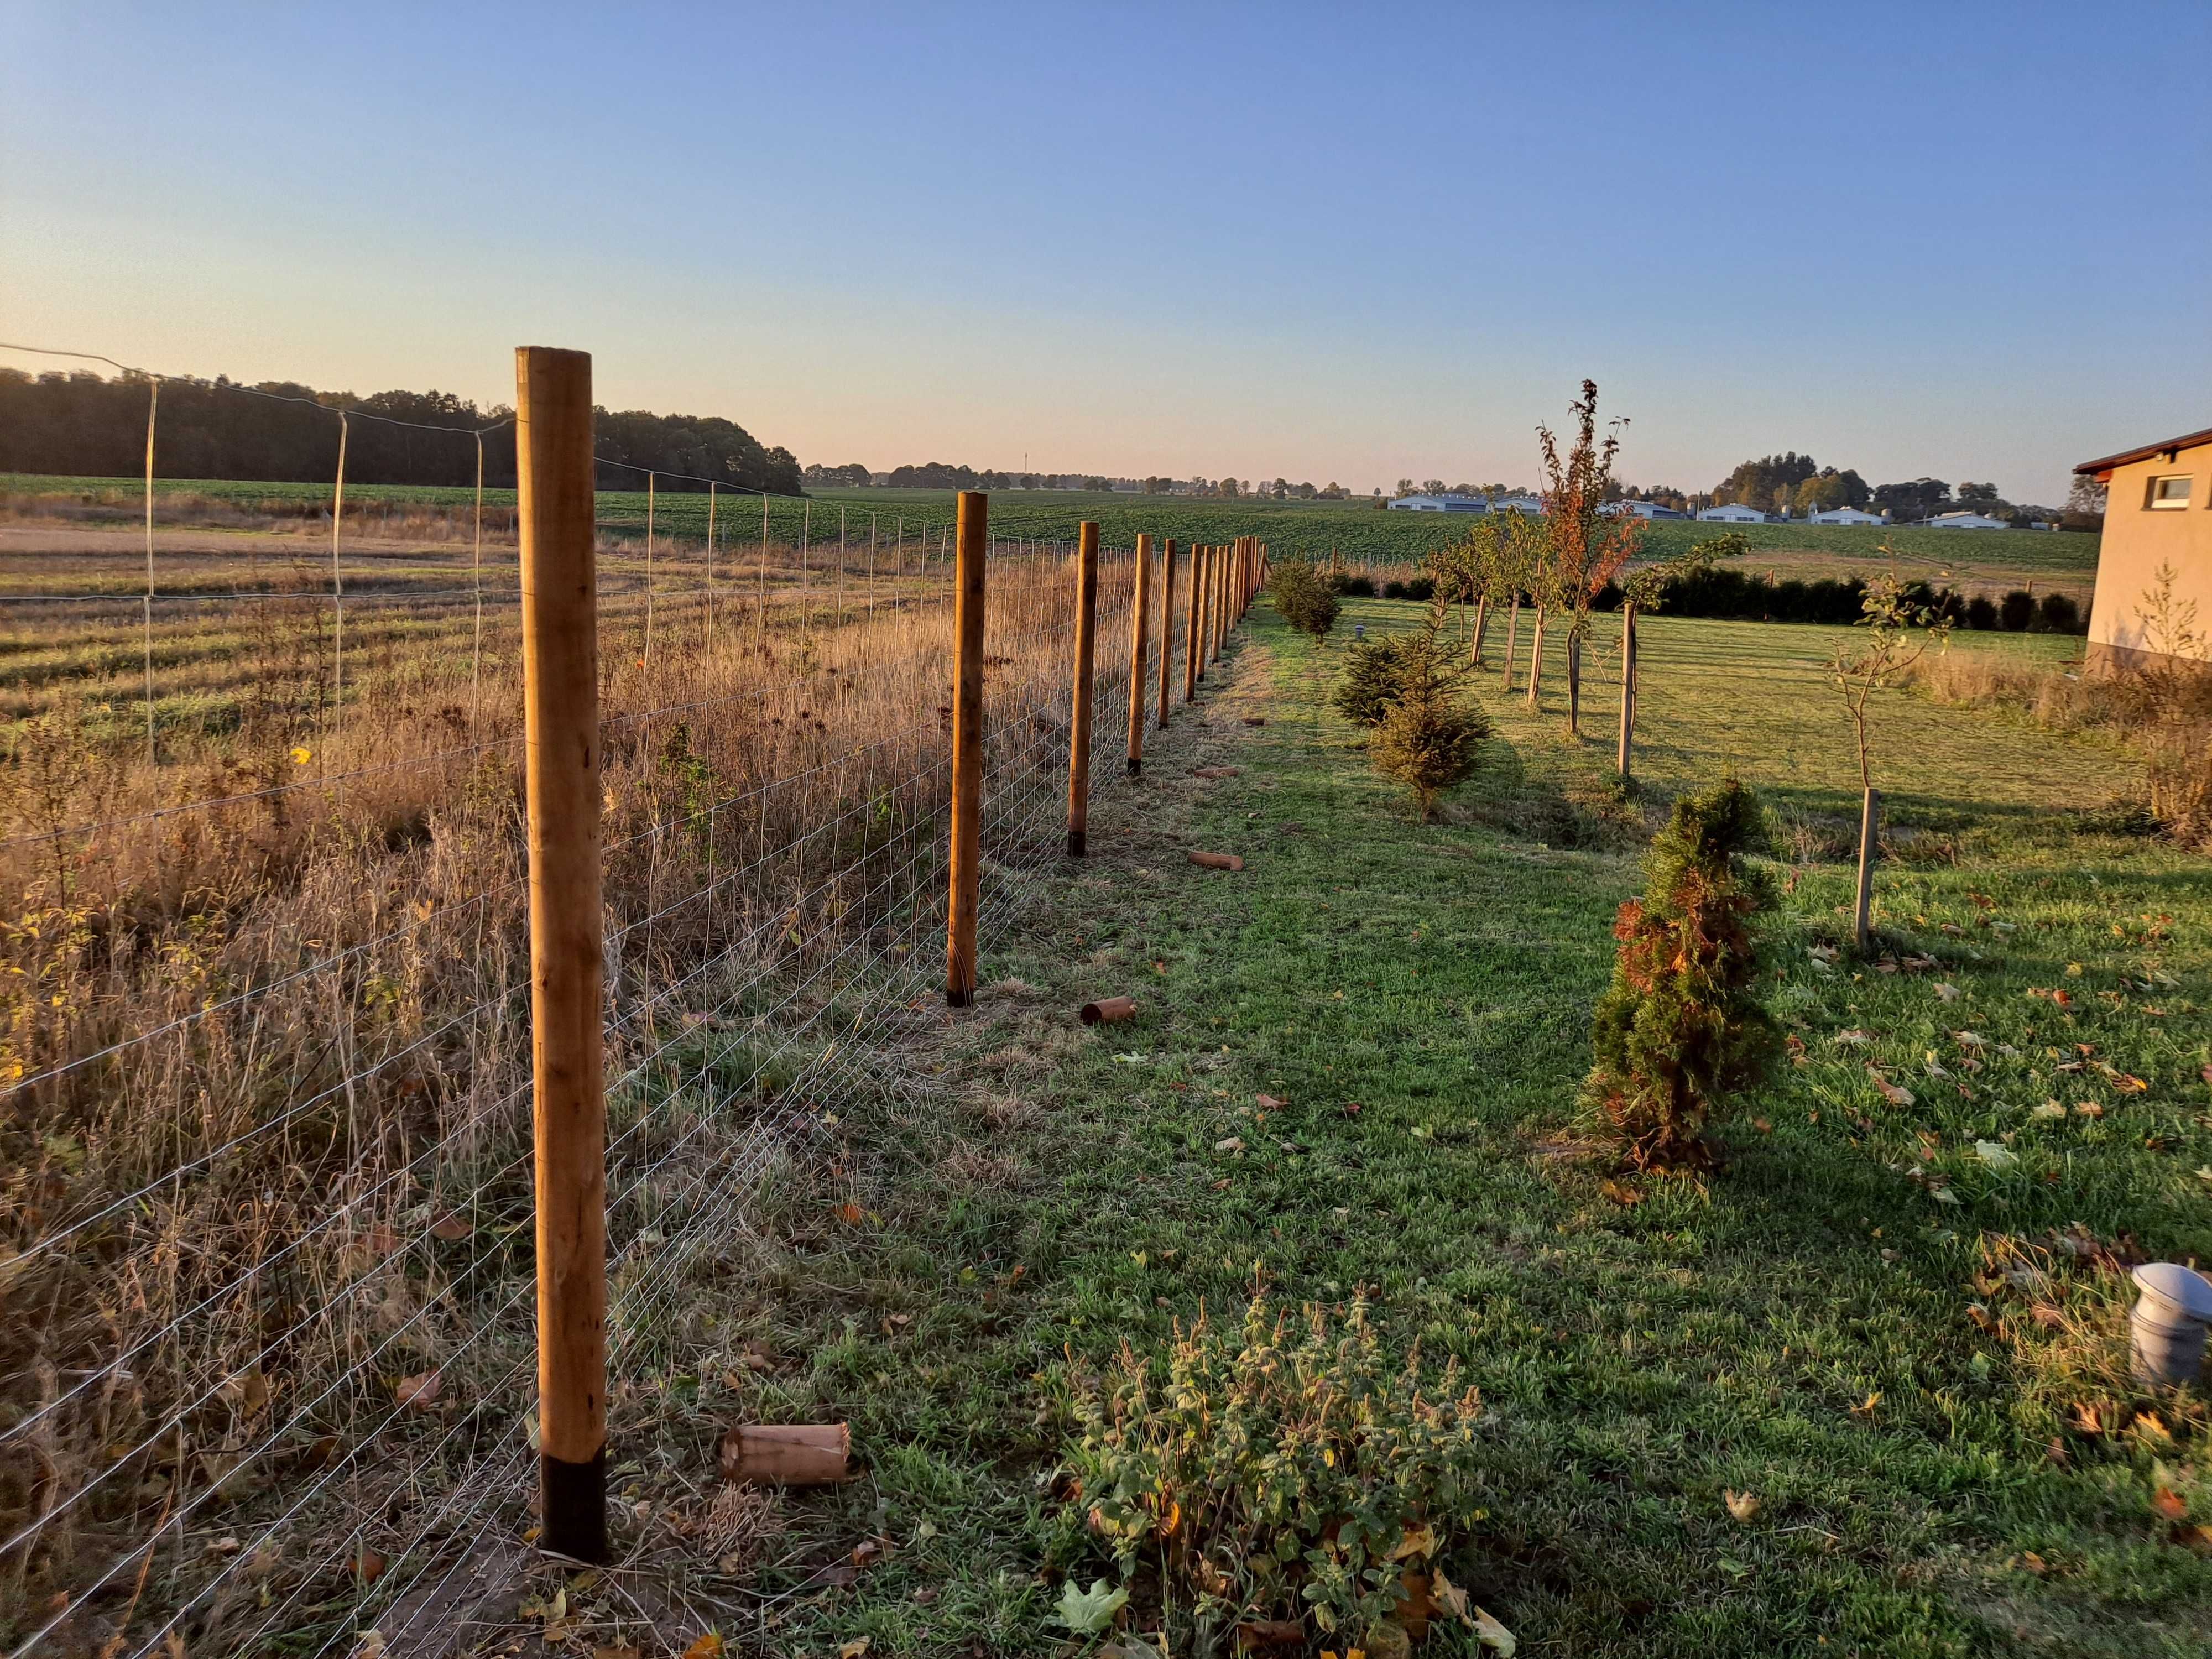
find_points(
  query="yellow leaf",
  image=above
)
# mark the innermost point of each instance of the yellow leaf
(1420, 1539)
(854, 1649)
(1494, 1634)
(1742, 1505)
(708, 1646)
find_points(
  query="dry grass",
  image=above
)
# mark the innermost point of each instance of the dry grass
(2165, 713)
(263, 1151)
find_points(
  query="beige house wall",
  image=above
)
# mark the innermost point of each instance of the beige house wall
(2138, 540)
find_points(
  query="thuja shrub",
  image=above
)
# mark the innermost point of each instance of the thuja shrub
(1302, 598)
(1680, 1031)
(1284, 1469)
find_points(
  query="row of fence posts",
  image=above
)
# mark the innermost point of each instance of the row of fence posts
(560, 662)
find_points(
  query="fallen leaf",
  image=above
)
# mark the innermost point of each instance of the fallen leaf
(1996, 1154)
(850, 1213)
(1621, 1193)
(1493, 1634)
(1743, 1505)
(1866, 1406)
(1948, 992)
(451, 1225)
(855, 1648)
(1233, 1146)
(418, 1393)
(2169, 1505)
(708, 1646)
(1269, 1104)
(1895, 1093)
(1419, 1540)
(367, 1565)
(1089, 1611)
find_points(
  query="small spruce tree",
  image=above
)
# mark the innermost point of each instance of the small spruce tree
(1680, 1031)
(1429, 738)
(1374, 677)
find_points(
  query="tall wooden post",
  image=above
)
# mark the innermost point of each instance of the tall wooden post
(1167, 622)
(966, 872)
(1217, 609)
(1140, 617)
(1869, 828)
(1627, 682)
(1194, 624)
(1086, 658)
(561, 736)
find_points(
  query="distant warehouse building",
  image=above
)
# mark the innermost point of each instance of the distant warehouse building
(1734, 513)
(1444, 503)
(1642, 510)
(1529, 506)
(2158, 518)
(1967, 521)
(1846, 515)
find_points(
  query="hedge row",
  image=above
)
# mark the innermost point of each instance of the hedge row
(1733, 596)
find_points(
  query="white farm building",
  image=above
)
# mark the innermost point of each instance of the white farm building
(1642, 510)
(1965, 521)
(1444, 503)
(1845, 515)
(1734, 513)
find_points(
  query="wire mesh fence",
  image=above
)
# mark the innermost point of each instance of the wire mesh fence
(266, 1236)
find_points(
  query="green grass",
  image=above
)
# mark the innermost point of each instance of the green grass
(1058, 1191)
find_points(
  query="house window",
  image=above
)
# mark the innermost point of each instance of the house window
(2169, 492)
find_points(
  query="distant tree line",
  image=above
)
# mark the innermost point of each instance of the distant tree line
(1791, 483)
(83, 424)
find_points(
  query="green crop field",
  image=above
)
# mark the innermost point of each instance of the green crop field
(1355, 529)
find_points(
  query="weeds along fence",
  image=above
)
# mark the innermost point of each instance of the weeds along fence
(269, 1257)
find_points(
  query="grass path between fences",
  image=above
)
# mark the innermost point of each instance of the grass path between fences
(1861, 1391)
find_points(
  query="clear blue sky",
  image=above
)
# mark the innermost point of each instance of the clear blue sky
(1341, 242)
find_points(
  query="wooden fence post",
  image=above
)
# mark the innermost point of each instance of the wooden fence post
(1140, 622)
(1086, 658)
(1194, 624)
(561, 733)
(966, 864)
(1167, 622)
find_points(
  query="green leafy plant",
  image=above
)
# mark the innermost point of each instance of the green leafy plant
(1680, 1029)
(1280, 1469)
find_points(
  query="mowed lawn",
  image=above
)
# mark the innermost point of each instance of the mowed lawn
(1891, 1326)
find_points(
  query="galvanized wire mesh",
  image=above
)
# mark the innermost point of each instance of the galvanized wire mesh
(267, 1271)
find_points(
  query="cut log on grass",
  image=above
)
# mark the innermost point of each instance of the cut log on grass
(1218, 860)
(788, 1455)
(1109, 1011)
